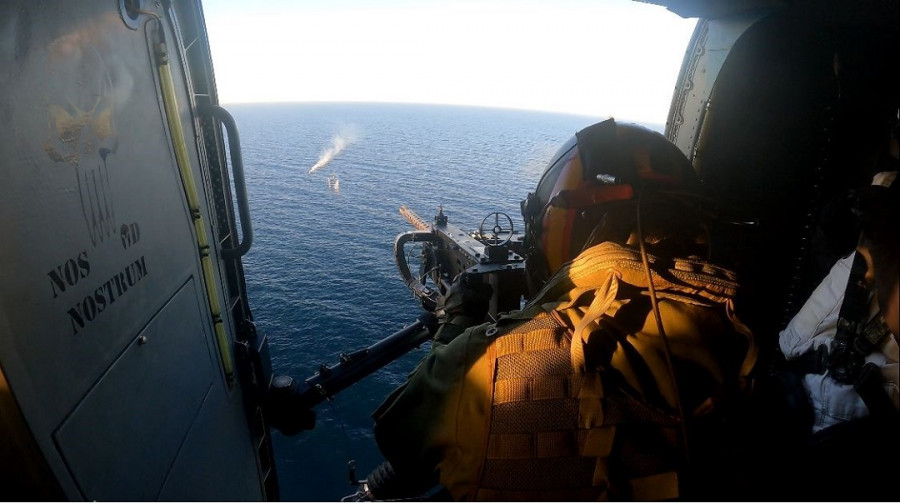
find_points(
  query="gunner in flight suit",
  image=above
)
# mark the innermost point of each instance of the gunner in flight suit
(615, 379)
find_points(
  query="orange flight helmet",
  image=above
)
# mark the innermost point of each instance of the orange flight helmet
(602, 166)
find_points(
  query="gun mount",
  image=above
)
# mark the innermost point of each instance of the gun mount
(493, 253)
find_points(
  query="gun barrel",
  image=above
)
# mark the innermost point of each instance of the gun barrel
(353, 367)
(414, 219)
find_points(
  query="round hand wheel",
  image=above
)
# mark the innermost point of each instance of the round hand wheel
(493, 237)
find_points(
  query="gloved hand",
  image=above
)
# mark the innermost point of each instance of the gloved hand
(467, 301)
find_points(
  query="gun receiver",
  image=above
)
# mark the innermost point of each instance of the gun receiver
(492, 253)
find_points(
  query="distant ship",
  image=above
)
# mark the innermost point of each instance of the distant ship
(333, 182)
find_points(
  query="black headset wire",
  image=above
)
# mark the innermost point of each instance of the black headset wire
(659, 324)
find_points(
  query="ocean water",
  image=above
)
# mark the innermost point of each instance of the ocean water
(321, 276)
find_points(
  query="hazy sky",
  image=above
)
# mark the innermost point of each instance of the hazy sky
(615, 58)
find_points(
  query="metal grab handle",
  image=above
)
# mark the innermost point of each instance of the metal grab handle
(240, 188)
(427, 295)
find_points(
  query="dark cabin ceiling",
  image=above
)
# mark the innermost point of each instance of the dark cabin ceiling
(712, 9)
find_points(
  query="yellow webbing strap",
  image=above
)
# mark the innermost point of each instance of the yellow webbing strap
(190, 190)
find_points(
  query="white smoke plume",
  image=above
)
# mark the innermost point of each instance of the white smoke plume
(338, 143)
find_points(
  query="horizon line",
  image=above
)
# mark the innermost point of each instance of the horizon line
(599, 117)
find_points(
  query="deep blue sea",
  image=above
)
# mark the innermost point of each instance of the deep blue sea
(321, 276)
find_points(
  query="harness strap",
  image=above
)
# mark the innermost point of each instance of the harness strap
(844, 360)
(856, 295)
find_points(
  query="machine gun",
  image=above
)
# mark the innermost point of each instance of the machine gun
(492, 254)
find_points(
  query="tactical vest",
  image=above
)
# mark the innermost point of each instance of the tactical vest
(582, 405)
